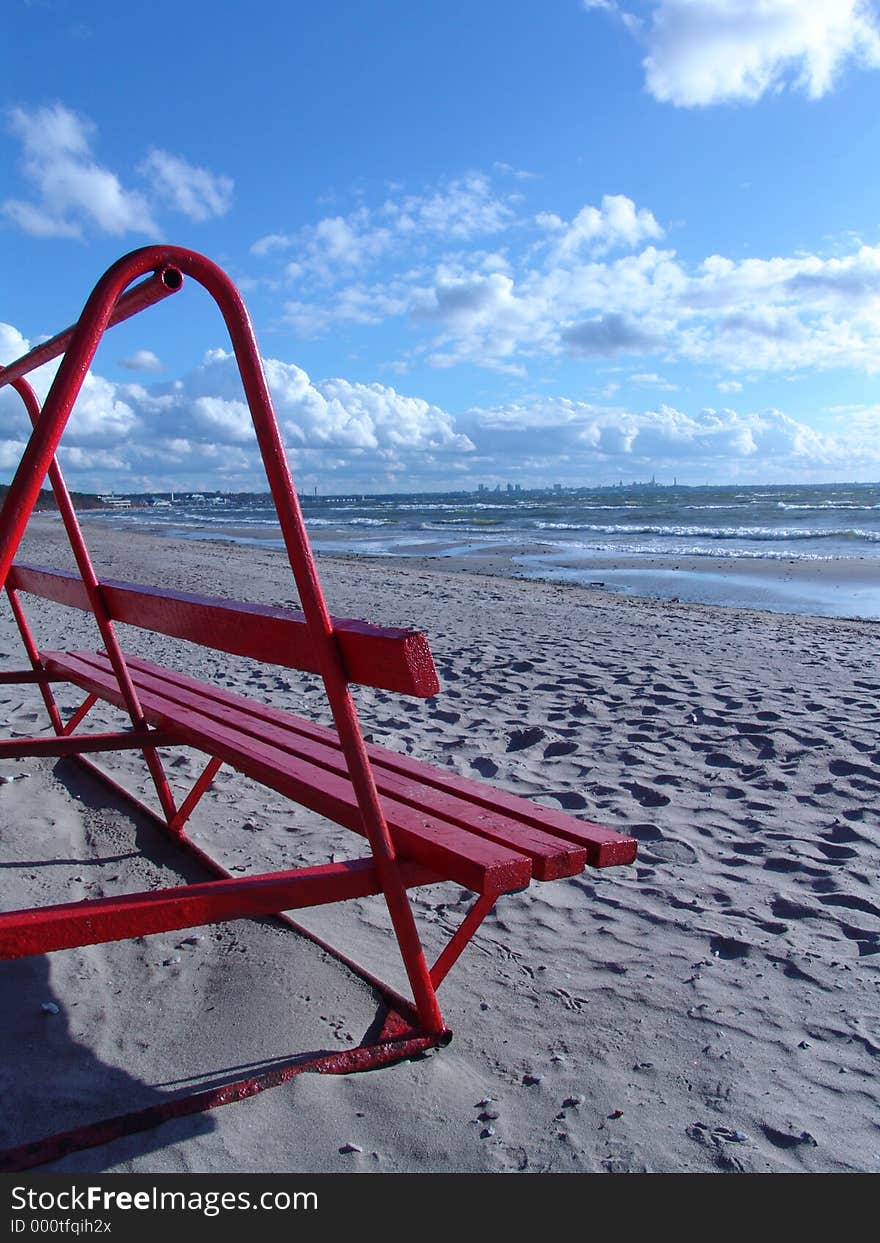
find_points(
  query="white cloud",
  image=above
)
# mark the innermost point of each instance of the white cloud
(607, 336)
(12, 344)
(581, 439)
(199, 427)
(703, 52)
(617, 224)
(197, 432)
(141, 360)
(73, 190)
(74, 193)
(10, 454)
(459, 210)
(273, 242)
(650, 379)
(502, 309)
(196, 192)
(221, 420)
(466, 207)
(396, 423)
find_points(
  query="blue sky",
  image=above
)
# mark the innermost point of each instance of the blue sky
(570, 241)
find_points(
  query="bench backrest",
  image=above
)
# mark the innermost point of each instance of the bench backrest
(378, 656)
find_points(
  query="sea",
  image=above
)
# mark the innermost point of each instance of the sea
(803, 548)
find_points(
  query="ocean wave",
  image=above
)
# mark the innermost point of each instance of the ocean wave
(774, 534)
(824, 506)
(720, 554)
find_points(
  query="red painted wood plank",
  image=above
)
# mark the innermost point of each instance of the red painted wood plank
(45, 929)
(604, 847)
(454, 853)
(388, 658)
(552, 857)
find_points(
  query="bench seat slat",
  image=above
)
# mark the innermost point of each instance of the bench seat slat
(472, 861)
(552, 856)
(603, 847)
(386, 657)
(553, 853)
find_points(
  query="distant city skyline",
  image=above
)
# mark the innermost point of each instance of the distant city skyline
(494, 243)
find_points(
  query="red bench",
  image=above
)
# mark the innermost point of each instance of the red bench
(423, 824)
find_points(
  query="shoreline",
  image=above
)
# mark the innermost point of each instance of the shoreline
(845, 587)
(841, 585)
(711, 1008)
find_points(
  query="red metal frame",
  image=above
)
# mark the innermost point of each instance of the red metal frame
(416, 1025)
(81, 342)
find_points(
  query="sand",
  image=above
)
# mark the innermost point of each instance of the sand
(713, 1007)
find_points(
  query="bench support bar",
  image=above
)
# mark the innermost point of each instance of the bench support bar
(71, 924)
(24, 748)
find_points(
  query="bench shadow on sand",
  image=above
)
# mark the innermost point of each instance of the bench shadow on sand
(51, 1082)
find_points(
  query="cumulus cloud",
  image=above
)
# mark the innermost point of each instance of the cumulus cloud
(560, 293)
(72, 190)
(616, 224)
(490, 307)
(141, 360)
(198, 427)
(464, 208)
(73, 193)
(703, 52)
(459, 210)
(650, 379)
(12, 344)
(196, 431)
(607, 336)
(196, 192)
(602, 442)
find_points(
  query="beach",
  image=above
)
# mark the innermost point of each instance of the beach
(712, 1007)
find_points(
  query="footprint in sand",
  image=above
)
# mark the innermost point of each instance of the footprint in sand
(520, 739)
(839, 833)
(484, 766)
(718, 759)
(729, 947)
(569, 800)
(646, 796)
(836, 854)
(851, 903)
(559, 748)
(843, 768)
(785, 908)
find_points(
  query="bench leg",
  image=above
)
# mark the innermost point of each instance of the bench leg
(461, 936)
(81, 713)
(189, 804)
(33, 655)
